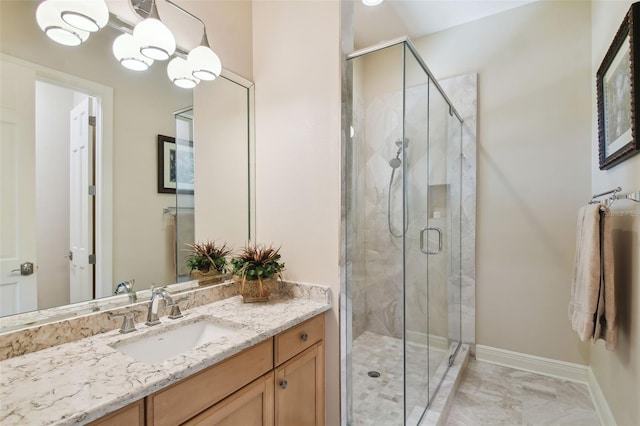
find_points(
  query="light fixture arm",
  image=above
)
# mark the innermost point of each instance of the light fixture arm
(153, 13)
(205, 40)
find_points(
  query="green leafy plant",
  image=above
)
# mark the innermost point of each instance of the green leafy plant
(206, 256)
(257, 262)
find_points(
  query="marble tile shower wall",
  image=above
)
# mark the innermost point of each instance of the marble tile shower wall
(376, 254)
(375, 264)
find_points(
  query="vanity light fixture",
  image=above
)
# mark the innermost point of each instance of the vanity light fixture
(156, 39)
(85, 15)
(50, 21)
(181, 73)
(70, 22)
(126, 49)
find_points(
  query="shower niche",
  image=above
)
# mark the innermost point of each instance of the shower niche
(404, 175)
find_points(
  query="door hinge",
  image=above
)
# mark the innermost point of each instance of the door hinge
(92, 259)
(92, 190)
(92, 120)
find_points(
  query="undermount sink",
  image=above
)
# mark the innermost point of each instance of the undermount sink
(165, 344)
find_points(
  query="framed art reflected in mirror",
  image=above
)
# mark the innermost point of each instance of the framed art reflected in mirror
(617, 82)
(175, 165)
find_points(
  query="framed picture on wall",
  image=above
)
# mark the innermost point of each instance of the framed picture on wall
(618, 94)
(175, 165)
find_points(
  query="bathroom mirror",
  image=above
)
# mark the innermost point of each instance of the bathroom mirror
(135, 227)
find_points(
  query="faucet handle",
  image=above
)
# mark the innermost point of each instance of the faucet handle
(175, 308)
(128, 325)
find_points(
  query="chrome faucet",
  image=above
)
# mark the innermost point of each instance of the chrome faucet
(126, 287)
(158, 293)
(128, 324)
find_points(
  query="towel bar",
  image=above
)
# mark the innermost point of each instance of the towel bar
(615, 195)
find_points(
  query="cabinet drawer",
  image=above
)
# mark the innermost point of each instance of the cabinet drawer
(180, 402)
(132, 415)
(296, 339)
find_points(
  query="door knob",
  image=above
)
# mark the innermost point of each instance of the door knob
(304, 337)
(26, 268)
(283, 384)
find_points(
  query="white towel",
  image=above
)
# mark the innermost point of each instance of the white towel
(592, 307)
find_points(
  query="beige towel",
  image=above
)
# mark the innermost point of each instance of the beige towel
(606, 326)
(592, 307)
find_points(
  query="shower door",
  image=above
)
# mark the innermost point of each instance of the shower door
(430, 169)
(402, 236)
(418, 238)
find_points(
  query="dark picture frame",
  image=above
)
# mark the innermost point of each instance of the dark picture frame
(175, 164)
(618, 94)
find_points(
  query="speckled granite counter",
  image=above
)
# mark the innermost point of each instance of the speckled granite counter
(81, 381)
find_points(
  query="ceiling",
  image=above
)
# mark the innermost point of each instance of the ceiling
(418, 18)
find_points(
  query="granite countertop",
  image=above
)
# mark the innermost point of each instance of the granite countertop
(84, 380)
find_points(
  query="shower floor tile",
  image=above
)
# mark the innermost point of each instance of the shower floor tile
(379, 401)
(490, 394)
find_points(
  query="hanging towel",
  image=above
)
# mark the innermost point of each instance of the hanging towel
(592, 307)
(606, 326)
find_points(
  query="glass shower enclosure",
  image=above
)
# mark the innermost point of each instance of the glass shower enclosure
(403, 239)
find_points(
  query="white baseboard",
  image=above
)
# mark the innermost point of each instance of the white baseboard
(554, 368)
(535, 364)
(600, 402)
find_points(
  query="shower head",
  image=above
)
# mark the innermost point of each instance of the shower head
(395, 163)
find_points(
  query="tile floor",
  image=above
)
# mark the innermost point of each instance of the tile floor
(494, 395)
(379, 401)
(488, 394)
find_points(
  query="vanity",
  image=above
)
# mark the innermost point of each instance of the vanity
(263, 365)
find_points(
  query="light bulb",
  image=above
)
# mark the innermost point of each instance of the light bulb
(126, 49)
(205, 63)
(181, 73)
(86, 15)
(49, 20)
(371, 2)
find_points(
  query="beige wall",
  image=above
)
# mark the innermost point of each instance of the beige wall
(229, 31)
(534, 87)
(618, 372)
(297, 75)
(221, 164)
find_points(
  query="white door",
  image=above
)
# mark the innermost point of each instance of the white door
(81, 203)
(18, 293)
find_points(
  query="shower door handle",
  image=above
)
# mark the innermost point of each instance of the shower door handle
(426, 250)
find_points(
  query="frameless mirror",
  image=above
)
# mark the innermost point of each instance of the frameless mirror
(80, 198)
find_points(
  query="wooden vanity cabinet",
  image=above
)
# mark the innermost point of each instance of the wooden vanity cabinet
(180, 402)
(131, 415)
(279, 381)
(299, 375)
(250, 406)
(299, 396)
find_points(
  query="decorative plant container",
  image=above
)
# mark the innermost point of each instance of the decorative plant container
(257, 269)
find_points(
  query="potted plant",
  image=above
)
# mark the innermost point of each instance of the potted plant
(208, 262)
(257, 268)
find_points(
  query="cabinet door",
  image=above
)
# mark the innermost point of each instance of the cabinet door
(191, 396)
(300, 389)
(131, 415)
(250, 406)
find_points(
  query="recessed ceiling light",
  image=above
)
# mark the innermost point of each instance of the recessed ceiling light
(371, 2)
